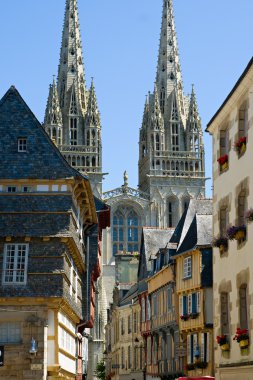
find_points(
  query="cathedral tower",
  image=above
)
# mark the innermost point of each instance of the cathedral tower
(77, 129)
(171, 150)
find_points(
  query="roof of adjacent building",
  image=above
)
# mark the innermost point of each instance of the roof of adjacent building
(195, 226)
(42, 159)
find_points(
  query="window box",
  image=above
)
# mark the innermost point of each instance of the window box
(223, 161)
(194, 315)
(190, 366)
(242, 337)
(184, 317)
(240, 146)
(201, 365)
(223, 342)
(221, 242)
(237, 233)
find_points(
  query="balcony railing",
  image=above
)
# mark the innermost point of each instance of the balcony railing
(83, 149)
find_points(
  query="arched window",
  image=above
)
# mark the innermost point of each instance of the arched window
(126, 230)
(162, 99)
(157, 142)
(172, 207)
(88, 138)
(73, 131)
(93, 162)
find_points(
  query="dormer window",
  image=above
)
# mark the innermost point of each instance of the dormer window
(22, 144)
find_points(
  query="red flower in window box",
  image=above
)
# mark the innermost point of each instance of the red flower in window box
(223, 159)
(240, 142)
(184, 317)
(240, 145)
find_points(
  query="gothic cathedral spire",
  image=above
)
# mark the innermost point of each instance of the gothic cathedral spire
(80, 141)
(171, 150)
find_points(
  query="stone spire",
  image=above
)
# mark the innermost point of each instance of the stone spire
(194, 132)
(53, 116)
(71, 69)
(92, 114)
(169, 77)
(80, 141)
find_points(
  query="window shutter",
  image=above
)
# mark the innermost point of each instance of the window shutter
(181, 305)
(188, 349)
(189, 309)
(207, 346)
(202, 348)
(224, 313)
(198, 302)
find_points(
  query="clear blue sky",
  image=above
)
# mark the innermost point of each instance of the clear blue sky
(120, 43)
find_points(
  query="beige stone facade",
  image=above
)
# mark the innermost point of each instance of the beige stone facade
(232, 132)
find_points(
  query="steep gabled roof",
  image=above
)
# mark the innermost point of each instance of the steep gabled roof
(152, 240)
(42, 159)
(195, 226)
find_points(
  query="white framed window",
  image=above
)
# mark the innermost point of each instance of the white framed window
(187, 267)
(22, 144)
(15, 264)
(67, 341)
(10, 332)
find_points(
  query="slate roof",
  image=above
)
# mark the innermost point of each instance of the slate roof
(195, 226)
(42, 159)
(152, 240)
(31, 203)
(155, 238)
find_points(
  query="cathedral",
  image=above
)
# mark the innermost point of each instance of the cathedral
(171, 150)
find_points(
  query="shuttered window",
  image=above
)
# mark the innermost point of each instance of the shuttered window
(223, 220)
(224, 142)
(192, 343)
(243, 120)
(241, 208)
(243, 307)
(224, 314)
(204, 349)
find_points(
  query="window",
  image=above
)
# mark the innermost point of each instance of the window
(125, 230)
(192, 344)
(169, 297)
(172, 205)
(129, 357)
(175, 137)
(15, 264)
(149, 309)
(11, 189)
(224, 314)
(10, 332)
(187, 267)
(243, 307)
(154, 297)
(67, 341)
(73, 131)
(129, 323)
(122, 326)
(223, 220)
(242, 125)
(204, 349)
(27, 189)
(143, 310)
(22, 144)
(241, 207)
(224, 142)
